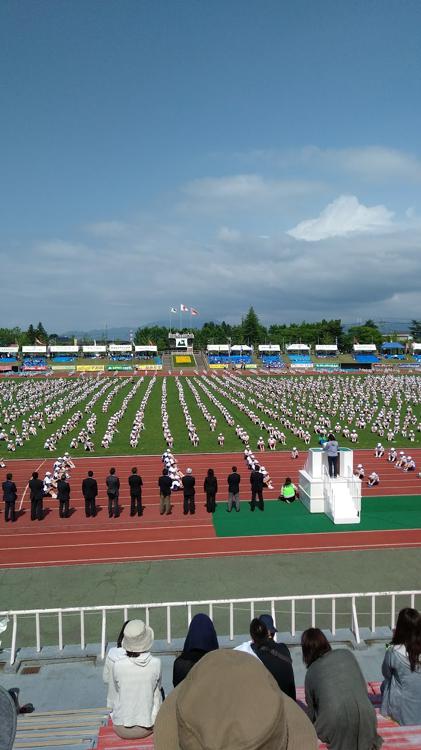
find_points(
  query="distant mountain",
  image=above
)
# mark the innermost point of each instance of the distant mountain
(384, 326)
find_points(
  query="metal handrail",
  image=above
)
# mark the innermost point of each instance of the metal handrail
(210, 604)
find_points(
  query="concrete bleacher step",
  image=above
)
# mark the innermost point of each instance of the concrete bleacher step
(76, 728)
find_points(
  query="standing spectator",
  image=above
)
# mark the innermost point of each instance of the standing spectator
(234, 480)
(36, 487)
(336, 696)
(332, 449)
(137, 680)
(401, 688)
(211, 488)
(63, 497)
(200, 640)
(135, 483)
(256, 481)
(9, 496)
(164, 483)
(90, 493)
(113, 492)
(288, 491)
(188, 483)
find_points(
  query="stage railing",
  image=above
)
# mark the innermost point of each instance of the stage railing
(309, 610)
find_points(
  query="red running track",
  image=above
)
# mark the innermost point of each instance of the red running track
(80, 540)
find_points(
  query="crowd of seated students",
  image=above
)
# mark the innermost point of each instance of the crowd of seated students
(272, 361)
(246, 697)
(34, 362)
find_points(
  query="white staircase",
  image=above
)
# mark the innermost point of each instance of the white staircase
(342, 499)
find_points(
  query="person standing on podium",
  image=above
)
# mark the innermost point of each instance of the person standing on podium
(332, 451)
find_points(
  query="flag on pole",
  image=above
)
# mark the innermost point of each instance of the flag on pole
(173, 310)
(193, 311)
(183, 308)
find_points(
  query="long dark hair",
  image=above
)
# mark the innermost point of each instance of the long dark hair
(121, 634)
(287, 481)
(211, 473)
(258, 631)
(405, 624)
(408, 634)
(314, 644)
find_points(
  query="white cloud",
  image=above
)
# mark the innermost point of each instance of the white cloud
(370, 163)
(241, 191)
(343, 217)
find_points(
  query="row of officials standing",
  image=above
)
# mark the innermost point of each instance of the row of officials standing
(90, 493)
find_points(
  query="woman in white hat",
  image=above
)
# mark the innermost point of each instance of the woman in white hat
(137, 680)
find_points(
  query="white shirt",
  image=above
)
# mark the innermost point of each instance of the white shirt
(137, 682)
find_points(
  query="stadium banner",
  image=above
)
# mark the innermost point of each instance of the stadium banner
(181, 342)
(5, 368)
(328, 366)
(252, 366)
(218, 367)
(90, 368)
(149, 367)
(410, 365)
(62, 367)
(35, 368)
(119, 368)
(302, 365)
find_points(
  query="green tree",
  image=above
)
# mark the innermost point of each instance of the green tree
(31, 334)
(253, 332)
(41, 334)
(415, 330)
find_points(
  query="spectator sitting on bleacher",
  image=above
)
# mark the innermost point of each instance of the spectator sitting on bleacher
(401, 688)
(114, 654)
(137, 680)
(336, 696)
(229, 701)
(200, 640)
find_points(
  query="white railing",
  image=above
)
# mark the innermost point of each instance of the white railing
(312, 615)
(328, 493)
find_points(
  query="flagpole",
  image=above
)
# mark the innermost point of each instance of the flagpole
(170, 320)
(180, 318)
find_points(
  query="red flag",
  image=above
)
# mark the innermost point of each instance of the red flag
(193, 311)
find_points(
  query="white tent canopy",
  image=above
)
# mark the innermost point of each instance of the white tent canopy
(326, 348)
(57, 348)
(269, 348)
(9, 349)
(94, 349)
(415, 347)
(120, 347)
(298, 348)
(364, 347)
(216, 348)
(38, 349)
(150, 348)
(241, 348)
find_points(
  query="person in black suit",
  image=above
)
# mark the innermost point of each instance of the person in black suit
(188, 482)
(135, 484)
(164, 484)
(36, 487)
(9, 496)
(90, 492)
(256, 481)
(211, 488)
(113, 492)
(233, 490)
(63, 497)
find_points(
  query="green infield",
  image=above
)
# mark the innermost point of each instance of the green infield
(292, 404)
(377, 514)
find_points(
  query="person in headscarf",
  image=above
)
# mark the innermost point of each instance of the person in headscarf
(201, 638)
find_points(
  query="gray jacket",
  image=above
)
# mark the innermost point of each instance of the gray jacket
(331, 447)
(8, 720)
(401, 688)
(338, 704)
(113, 485)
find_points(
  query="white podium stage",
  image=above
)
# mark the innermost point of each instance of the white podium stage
(339, 498)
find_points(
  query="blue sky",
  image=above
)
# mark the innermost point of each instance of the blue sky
(215, 153)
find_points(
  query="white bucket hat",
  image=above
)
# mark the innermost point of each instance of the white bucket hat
(138, 637)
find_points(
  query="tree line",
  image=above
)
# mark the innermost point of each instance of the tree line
(249, 331)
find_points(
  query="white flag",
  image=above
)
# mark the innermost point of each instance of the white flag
(173, 310)
(183, 308)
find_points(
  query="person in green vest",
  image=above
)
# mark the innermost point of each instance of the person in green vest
(288, 491)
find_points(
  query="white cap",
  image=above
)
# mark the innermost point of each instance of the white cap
(188, 471)
(360, 466)
(409, 458)
(379, 445)
(294, 448)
